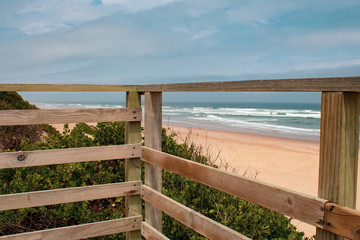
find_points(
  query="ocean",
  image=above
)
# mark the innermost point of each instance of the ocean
(291, 120)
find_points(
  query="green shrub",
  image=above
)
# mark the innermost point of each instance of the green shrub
(11, 136)
(247, 218)
(63, 176)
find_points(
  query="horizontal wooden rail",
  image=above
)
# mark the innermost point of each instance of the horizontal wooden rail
(66, 88)
(296, 205)
(194, 220)
(49, 116)
(346, 84)
(342, 221)
(82, 231)
(69, 155)
(67, 195)
(148, 232)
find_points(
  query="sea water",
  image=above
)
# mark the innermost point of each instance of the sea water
(293, 120)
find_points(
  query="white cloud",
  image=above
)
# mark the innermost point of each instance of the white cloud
(150, 39)
(91, 42)
(37, 16)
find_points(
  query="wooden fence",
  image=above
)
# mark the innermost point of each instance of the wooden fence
(332, 211)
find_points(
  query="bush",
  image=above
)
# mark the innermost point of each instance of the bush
(249, 219)
(63, 176)
(12, 136)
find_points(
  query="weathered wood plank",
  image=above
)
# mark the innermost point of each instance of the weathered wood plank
(194, 220)
(350, 84)
(150, 233)
(133, 166)
(339, 146)
(82, 231)
(67, 195)
(69, 155)
(153, 134)
(66, 88)
(48, 116)
(302, 207)
(342, 221)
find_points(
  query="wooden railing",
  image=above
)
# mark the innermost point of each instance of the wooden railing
(332, 212)
(132, 223)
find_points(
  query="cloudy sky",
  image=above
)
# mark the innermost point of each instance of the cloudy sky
(163, 41)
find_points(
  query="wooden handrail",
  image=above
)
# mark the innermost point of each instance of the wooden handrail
(342, 221)
(50, 116)
(82, 231)
(66, 88)
(345, 84)
(296, 205)
(68, 195)
(148, 232)
(196, 221)
(316, 211)
(69, 155)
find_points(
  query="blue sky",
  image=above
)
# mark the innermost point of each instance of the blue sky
(165, 41)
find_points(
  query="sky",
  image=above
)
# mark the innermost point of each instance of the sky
(168, 41)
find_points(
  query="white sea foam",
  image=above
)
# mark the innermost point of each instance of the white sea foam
(269, 119)
(257, 125)
(257, 112)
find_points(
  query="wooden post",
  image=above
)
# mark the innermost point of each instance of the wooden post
(339, 146)
(133, 166)
(153, 132)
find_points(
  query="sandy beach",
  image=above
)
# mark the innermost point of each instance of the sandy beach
(284, 162)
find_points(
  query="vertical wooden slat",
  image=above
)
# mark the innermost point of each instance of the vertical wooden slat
(133, 166)
(339, 146)
(153, 174)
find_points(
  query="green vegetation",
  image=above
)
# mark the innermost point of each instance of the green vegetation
(11, 136)
(252, 220)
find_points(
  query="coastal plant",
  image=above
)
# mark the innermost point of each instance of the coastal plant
(247, 218)
(62, 176)
(11, 136)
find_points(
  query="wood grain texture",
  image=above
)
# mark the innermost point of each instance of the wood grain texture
(348, 84)
(133, 165)
(48, 116)
(296, 205)
(66, 88)
(67, 195)
(194, 220)
(342, 220)
(351, 84)
(153, 136)
(82, 231)
(70, 155)
(339, 145)
(150, 233)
